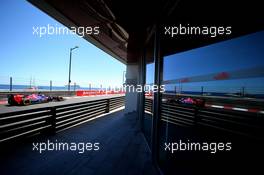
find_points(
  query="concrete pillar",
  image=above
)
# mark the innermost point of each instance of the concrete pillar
(131, 98)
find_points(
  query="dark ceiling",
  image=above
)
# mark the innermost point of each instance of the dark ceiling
(126, 24)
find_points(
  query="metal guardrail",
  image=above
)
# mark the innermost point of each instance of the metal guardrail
(241, 123)
(20, 124)
(148, 105)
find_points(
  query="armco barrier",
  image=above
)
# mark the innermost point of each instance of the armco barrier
(96, 92)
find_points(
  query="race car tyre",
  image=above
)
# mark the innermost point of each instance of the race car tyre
(10, 99)
(26, 102)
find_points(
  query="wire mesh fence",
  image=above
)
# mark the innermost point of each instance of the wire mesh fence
(24, 84)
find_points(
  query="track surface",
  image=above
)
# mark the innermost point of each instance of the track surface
(68, 100)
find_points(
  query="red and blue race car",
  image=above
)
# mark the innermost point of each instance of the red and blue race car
(19, 99)
(192, 101)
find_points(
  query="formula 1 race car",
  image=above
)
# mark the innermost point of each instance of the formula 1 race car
(192, 101)
(19, 99)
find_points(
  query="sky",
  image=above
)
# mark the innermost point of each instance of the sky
(235, 54)
(25, 55)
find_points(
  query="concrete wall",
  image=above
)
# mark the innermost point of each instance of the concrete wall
(131, 99)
